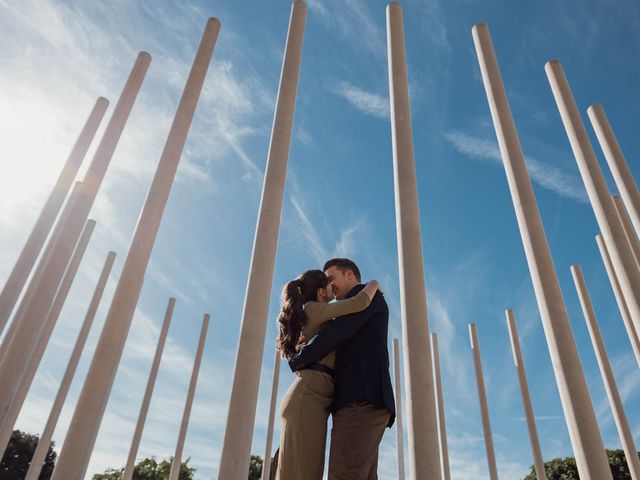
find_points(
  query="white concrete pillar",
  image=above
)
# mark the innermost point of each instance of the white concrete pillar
(78, 445)
(576, 403)
(40, 454)
(9, 420)
(234, 462)
(37, 276)
(538, 462)
(422, 418)
(31, 322)
(626, 437)
(266, 463)
(617, 163)
(603, 207)
(177, 456)
(27, 259)
(484, 407)
(630, 233)
(127, 474)
(634, 338)
(442, 425)
(399, 430)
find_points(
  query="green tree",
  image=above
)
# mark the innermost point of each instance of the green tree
(255, 467)
(149, 469)
(18, 454)
(566, 469)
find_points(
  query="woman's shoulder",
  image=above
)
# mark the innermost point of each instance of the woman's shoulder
(310, 305)
(314, 309)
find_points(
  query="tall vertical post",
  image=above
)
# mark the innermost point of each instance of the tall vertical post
(31, 322)
(442, 426)
(266, 463)
(578, 410)
(538, 462)
(634, 338)
(81, 436)
(177, 456)
(626, 437)
(617, 163)
(127, 474)
(399, 429)
(234, 462)
(484, 408)
(9, 420)
(422, 421)
(39, 456)
(628, 228)
(603, 207)
(22, 268)
(40, 271)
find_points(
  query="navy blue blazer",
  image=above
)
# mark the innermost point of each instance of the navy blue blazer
(362, 357)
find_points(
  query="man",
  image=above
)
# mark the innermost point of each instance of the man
(364, 404)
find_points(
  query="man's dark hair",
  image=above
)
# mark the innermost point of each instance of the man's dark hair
(343, 264)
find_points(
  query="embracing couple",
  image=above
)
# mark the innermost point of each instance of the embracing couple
(338, 350)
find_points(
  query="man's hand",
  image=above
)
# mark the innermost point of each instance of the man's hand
(295, 362)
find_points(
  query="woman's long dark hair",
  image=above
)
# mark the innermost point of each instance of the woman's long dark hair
(292, 318)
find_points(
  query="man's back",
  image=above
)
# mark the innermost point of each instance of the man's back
(362, 361)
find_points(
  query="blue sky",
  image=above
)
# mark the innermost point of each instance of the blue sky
(57, 57)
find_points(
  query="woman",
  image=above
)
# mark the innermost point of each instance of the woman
(305, 406)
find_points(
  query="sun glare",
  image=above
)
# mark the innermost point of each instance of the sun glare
(32, 153)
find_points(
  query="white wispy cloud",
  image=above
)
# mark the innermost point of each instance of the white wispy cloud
(306, 223)
(309, 232)
(318, 6)
(232, 106)
(547, 176)
(304, 136)
(442, 325)
(465, 456)
(347, 244)
(630, 383)
(627, 383)
(355, 23)
(467, 459)
(367, 102)
(435, 25)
